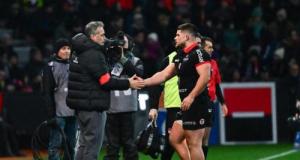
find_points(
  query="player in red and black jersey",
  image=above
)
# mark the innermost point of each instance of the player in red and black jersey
(187, 62)
(214, 89)
(193, 69)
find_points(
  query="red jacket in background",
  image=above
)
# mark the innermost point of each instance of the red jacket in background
(215, 79)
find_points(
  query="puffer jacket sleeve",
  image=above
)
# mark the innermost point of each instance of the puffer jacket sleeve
(48, 85)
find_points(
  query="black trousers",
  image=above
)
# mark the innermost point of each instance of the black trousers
(171, 117)
(119, 131)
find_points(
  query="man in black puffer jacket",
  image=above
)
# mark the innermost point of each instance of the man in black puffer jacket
(89, 88)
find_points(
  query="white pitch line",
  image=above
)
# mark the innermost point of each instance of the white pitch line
(279, 155)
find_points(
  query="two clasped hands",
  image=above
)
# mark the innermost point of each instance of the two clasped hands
(136, 82)
(139, 83)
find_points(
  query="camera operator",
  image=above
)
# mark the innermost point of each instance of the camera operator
(121, 115)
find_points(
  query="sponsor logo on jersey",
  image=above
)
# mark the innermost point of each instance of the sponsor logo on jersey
(182, 90)
(185, 59)
(202, 121)
(189, 123)
(200, 55)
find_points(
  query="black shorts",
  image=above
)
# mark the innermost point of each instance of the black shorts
(198, 116)
(215, 106)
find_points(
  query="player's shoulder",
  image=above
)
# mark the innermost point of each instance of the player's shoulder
(201, 54)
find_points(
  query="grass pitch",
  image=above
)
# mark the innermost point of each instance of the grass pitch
(232, 152)
(245, 152)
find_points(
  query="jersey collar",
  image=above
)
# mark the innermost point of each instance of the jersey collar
(187, 49)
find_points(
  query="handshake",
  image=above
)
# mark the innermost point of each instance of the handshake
(136, 82)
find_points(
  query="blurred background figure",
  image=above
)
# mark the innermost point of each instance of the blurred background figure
(55, 89)
(34, 68)
(297, 112)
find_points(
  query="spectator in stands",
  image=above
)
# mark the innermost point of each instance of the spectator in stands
(2, 80)
(34, 68)
(16, 74)
(153, 54)
(253, 66)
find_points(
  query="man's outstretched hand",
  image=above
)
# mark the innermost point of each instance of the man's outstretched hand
(136, 82)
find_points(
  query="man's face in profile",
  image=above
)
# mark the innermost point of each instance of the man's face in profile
(208, 47)
(180, 39)
(99, 36)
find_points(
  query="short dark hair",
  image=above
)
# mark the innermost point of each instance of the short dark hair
(189, 27)
(92, 26)
(204, 39)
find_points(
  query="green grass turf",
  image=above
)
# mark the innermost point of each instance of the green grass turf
(251, 152)
(233, 152)
(241, 152)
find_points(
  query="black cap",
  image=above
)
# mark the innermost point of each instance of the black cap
(60, 43)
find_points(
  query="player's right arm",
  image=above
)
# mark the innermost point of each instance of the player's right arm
(161, 76)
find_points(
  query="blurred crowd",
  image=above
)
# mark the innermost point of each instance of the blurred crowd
(255, 40)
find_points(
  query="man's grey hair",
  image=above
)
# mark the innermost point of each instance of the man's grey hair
(91, 27)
